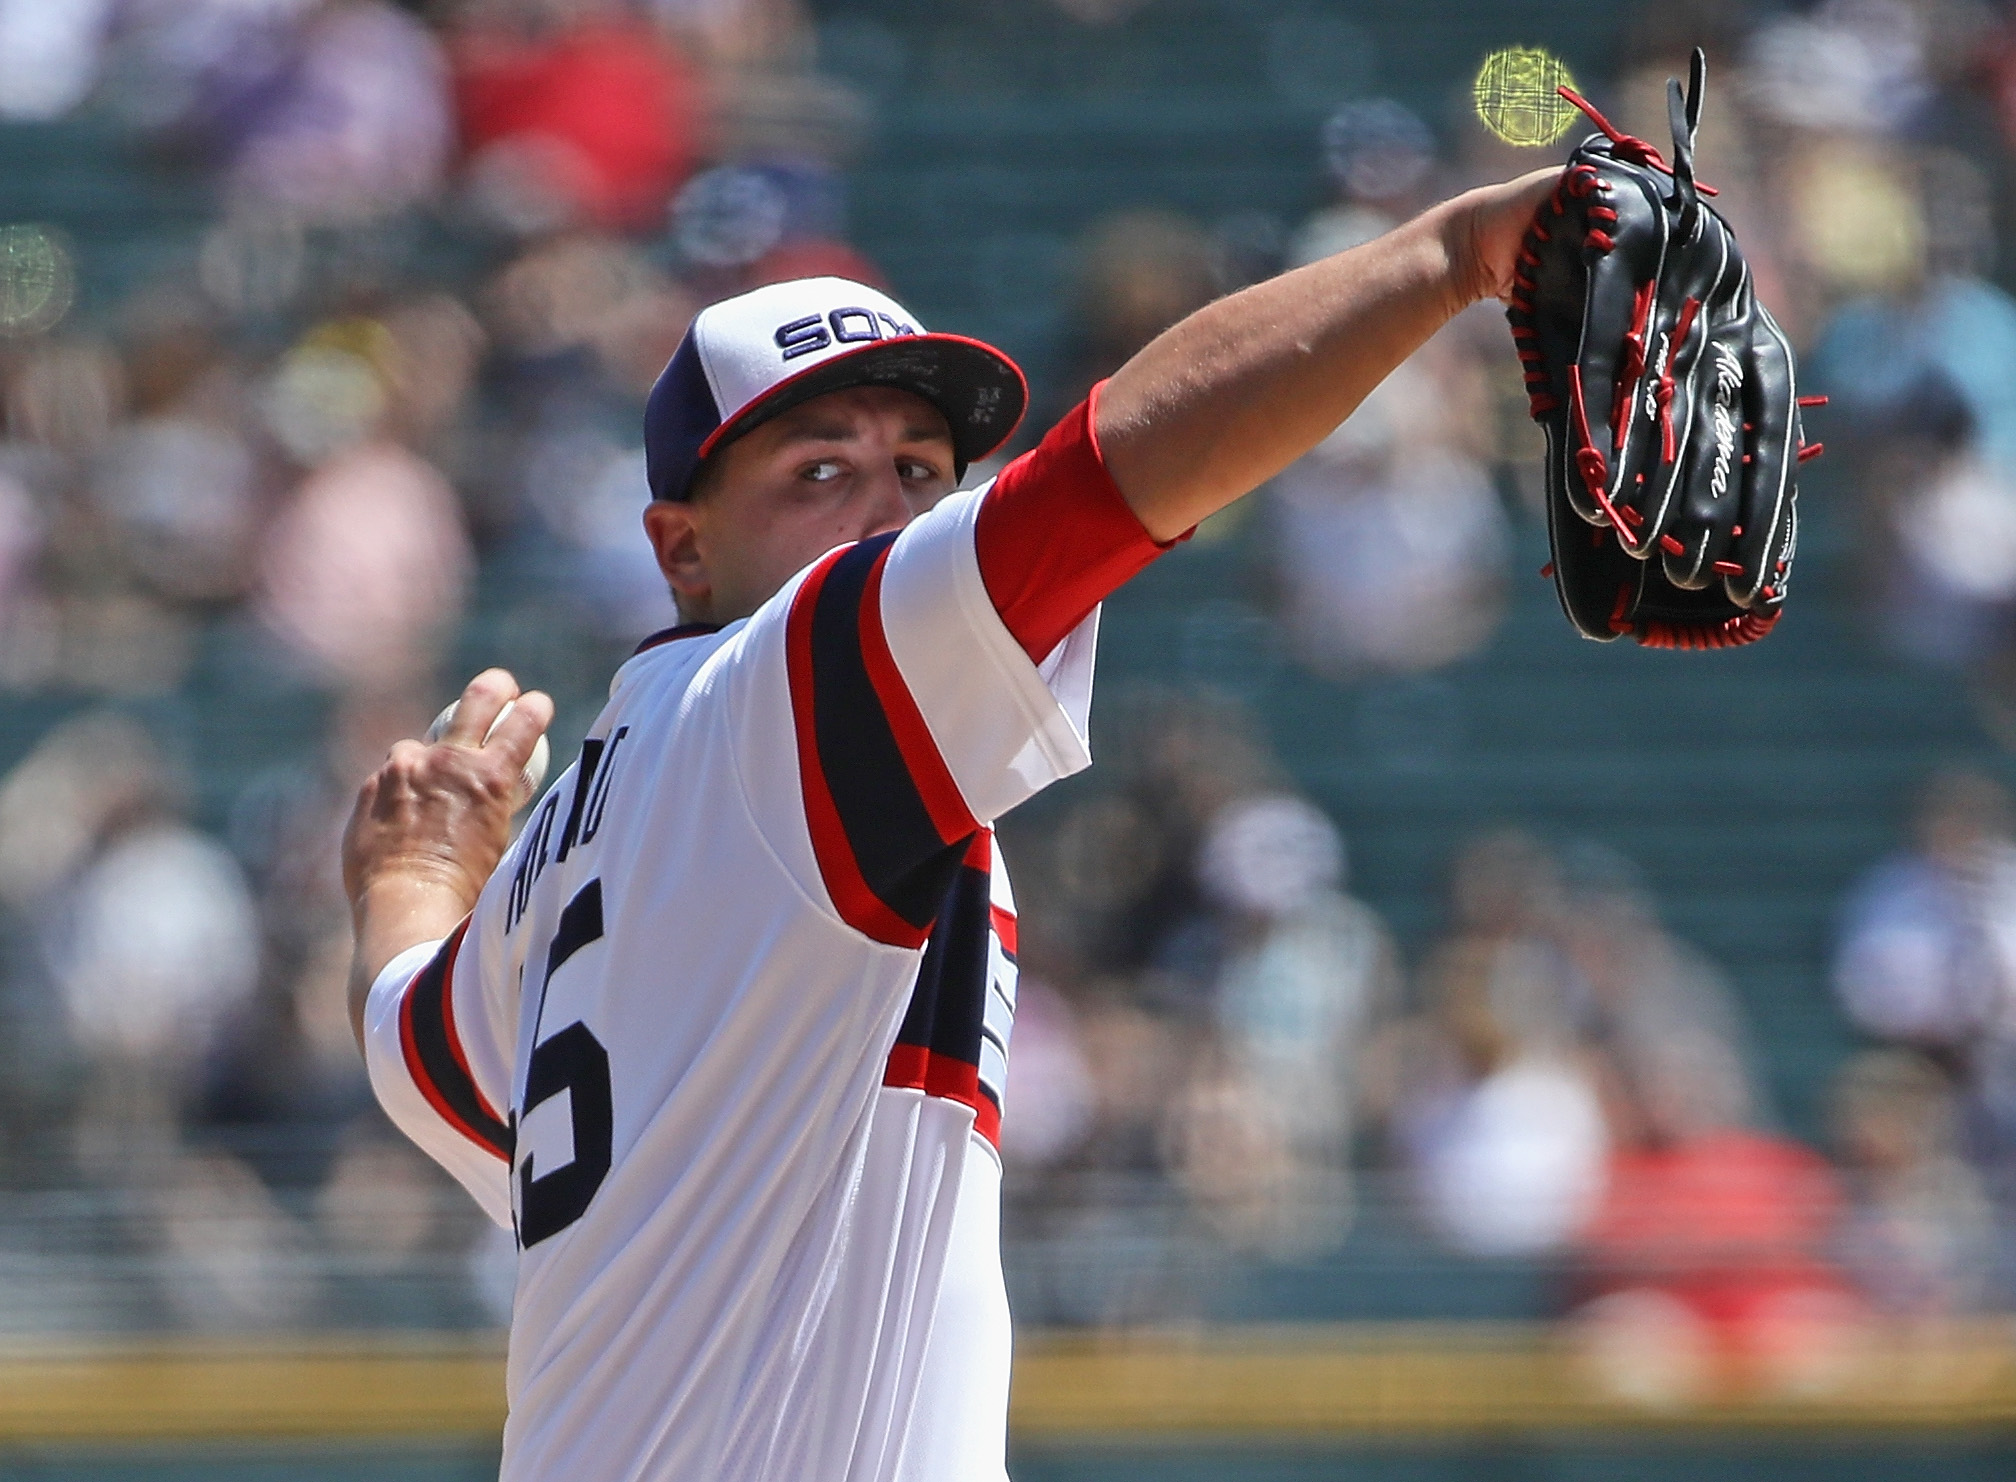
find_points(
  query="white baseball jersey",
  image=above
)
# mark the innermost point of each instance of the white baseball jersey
(725, 1036)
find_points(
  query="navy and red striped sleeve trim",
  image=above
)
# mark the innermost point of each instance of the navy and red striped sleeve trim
(1004, 928)
(920, 1068)
(888, 822)
(1055, 537)
(937, 1048)
(435, 1058)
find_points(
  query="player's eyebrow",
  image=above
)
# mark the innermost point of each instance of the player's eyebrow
(803, 431)
(841, 432)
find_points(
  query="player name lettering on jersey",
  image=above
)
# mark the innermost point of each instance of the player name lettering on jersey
(590, 796)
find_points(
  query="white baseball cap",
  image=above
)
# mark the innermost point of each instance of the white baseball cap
(748, 358)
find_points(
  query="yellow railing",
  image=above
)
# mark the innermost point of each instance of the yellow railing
(1303, 1381)
(1430, 1379)
(227, 1390)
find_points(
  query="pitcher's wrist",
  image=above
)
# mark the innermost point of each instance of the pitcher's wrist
(416, 895)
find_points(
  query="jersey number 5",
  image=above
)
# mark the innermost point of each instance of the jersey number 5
(572, 1061)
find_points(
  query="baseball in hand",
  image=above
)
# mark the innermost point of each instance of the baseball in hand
(531, 778)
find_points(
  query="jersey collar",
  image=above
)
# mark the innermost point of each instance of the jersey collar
(673, 635)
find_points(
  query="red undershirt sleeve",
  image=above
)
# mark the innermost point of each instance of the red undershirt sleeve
(1055, 537)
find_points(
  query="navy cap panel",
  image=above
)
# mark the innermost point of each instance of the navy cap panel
(679, 417)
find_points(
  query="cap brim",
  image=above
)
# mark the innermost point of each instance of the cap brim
(981, 391)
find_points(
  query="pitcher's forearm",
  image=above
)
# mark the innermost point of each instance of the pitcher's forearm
(1223, 401)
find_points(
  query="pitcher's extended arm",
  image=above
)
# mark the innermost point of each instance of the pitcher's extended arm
(1226, 399)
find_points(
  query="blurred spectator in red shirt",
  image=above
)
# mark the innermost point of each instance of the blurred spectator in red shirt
(1705, 1252)
(572, 111)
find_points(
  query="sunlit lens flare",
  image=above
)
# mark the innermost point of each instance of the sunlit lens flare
(1517, 97)
(37, 279)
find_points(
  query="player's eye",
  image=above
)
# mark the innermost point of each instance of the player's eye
(915, 471)
(824, 471)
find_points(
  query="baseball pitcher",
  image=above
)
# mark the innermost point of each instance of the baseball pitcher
(722, 1035)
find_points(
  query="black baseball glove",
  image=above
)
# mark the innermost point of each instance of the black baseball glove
(1668, 395)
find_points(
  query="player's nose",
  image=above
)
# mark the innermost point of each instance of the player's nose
(885, 503)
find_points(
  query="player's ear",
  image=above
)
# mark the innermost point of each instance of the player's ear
(675, 538)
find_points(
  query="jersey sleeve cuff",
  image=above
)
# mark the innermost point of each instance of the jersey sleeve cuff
(1092, 400)
(385, 1062)
(1055, 536)
(381, 1007)
(384, 1054)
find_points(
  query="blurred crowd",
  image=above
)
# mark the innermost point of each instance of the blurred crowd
(1862, 150)
(400, 388)
(452, 246)
(1217, 1043)
(447, 264)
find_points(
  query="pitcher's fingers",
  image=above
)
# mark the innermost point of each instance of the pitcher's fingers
(483, 698)
(1499, 224)
(519, 731)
